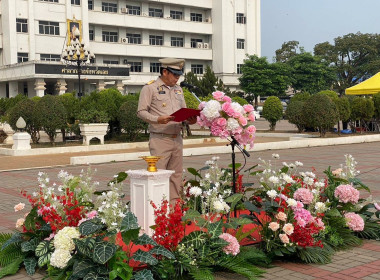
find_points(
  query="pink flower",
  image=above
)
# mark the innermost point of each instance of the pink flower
(248, 108)
(302, 216)
(251, 117)
(347, 193)
(221, 122)
(227, 99)
(51, 236)
(304, 195)
(337, 172)
(284, 238)
(354, 221)
(218, 95)
(226, 107)
(202, 105)
(233, 248)
(288, 229)
(19, 207)
(92, 214)
(281, 216)
(320, 223)
(20, 222)
(243, 121)
(377, 206)
(274, 226)
(251, 129)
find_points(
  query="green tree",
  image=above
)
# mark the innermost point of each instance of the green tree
(362, 109)
(294, 114)
(272, 111)
(353, 57)
(320, 113)
(376, 103)
(260, 78)
(287, 51)
(309, 73)
(131, 124)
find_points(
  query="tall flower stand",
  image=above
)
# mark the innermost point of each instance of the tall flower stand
(21, 141)
(145, 187)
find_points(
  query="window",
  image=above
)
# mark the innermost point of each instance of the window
(156, 40)
(175, 14)
(155, 12)
(56, 1)
(193, 42)
(109, 7)
(240, 43)
(91, 34)
(135, 66)
(155, 67)
(134, 38)
(197, 68)
(22, 57)
(240, 18)
(110, 62)
(134, 10)
(238, 68)
(50, 57)
(109, 36)
(48, 27)
(90, 4)
(196, 17)
(22, 25)
(176, 42)
(75, 2)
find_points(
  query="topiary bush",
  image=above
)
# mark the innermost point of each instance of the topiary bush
(129, 122)
(320, 113)
(272, 111)
(93, 116)
(294, 114)
(239, 100)
(362, 109)
(29, 110)
(53, 115)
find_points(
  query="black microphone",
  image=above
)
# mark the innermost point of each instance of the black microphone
(184, 84)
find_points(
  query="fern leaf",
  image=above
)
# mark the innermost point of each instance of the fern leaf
(314, 255)
(240, 266)
(202, 274)
(11, 268)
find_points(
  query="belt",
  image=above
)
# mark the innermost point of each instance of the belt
(166, 135)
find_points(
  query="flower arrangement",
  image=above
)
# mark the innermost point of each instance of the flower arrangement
(228, 119)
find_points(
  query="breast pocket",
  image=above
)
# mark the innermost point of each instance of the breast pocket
(180, 99)
(162, 97)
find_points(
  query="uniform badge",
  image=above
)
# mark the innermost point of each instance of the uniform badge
(160, 90)
(178, 92)
(163, 104)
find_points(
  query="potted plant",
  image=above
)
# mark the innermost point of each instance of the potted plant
(93, 124)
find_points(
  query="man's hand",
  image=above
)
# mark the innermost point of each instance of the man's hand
(192, 120)
(164, 119)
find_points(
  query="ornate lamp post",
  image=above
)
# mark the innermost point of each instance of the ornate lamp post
(77, 54)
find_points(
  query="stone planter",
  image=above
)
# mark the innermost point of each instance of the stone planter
(93, 130)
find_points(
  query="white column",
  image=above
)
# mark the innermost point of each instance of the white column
(145, 187)
(13, 89)
(61, 85)
(100, 85)
(120, 86)
(39, 87)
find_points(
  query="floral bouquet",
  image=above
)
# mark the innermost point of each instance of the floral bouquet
(228, 119)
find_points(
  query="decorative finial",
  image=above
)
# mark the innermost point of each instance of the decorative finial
(21, 124)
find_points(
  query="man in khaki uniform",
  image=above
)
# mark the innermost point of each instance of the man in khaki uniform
(158, 100)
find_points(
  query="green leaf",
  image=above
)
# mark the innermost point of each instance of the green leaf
(42, 248)
(159, 250)
(89, 227)
(358, 182)
(251, 207)
(11, 268)
(129, 222)
(237, 165)
(81, 268)
(30, 245)
(44, 259)
(130, 235)
(85, 246)
(30, 265)
(144, 257)
(30, 223)
(195, 238)
(285, 169)
(144, 275)
(234, 199)
(215, 229)
(144, 240)
(121, 176)
(103, 252)
(15, 238)
(94, 276)
(333, 213)
(194, 172)
(191, 214)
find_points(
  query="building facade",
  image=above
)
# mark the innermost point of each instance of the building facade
(127, 37)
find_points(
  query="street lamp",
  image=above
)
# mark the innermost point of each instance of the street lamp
(77, 54)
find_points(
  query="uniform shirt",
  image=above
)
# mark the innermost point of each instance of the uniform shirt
(157, 99)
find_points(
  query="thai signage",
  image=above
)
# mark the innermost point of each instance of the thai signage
(86, 70)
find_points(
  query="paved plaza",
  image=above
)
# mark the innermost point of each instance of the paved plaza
(358, 263)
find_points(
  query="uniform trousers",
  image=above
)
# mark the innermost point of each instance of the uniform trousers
(170, 148)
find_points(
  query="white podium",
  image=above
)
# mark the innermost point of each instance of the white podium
(21, 141)
(145, 187)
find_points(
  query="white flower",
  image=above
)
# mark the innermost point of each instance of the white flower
(291, 202)
(292, 166)
(320, 207)
(220, 206)
(237, 107)
(298, 163)
(287, 179)
(308, 181)
(195, 191)
(64, 238)
(211, 109)
(60, 258)
(310, 174)
(274, 179)
(232, 124)
(319, 184)
(276, 156)
(272, 193)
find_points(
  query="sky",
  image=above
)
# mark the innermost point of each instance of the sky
(311, 22)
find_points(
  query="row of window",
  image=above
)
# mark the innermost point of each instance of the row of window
(24, 57)
(73, 2)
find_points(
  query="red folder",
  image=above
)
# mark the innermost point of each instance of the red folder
(185, 113)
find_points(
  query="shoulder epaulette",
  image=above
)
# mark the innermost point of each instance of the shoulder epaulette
(150, 82)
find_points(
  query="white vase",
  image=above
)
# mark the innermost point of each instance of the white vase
(93, 130)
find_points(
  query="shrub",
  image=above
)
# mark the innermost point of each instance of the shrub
(53, 115)
(272, 111)
(240, 100)
(330, 93)
(93, 116)
(72, 106)
(320, 113)
(29, 110)
(301, 96)
(376, 103)
(129, 121)
(191, 101)
(362, 109)
(294, 114)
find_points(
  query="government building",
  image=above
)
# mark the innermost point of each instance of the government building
(126, 37)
